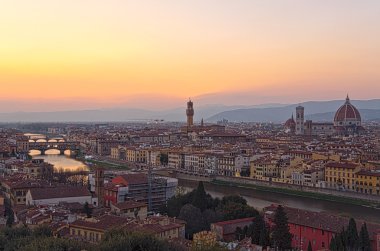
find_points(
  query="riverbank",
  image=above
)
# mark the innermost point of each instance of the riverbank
(261, 198)
(304, 194)
(105, 164)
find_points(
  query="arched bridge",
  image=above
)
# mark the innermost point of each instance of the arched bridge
(61, 146)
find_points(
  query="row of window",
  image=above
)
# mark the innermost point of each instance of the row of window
(91, 236)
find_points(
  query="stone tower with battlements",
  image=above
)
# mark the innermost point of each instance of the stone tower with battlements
(190, 113)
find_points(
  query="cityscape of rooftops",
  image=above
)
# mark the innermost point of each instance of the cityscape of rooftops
(190, 125)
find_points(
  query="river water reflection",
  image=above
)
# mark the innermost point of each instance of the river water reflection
(60, 162)
(261, 199)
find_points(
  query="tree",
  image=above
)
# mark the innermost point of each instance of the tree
(340, 243)
(309, 248)
(175, 204)
(200, 197)
(87, 210)
(333, 244)
(257, 227)
(210, 216)
(120, 240)
(234, 198)
(259, 232)
(364, 241)
(337, 242)
(264, 237)
(352, 237)
(194, 220)
(233, 210)
(282, 238)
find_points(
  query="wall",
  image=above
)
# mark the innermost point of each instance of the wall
(248, 181)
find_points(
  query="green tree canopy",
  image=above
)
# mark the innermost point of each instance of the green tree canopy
(194, 220)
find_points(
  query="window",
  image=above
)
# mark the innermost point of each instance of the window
(323, 244)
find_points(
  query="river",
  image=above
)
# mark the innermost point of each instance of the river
(257, 199)
(60, 162)
(261, 199)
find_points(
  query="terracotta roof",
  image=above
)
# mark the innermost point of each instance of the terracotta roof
(129, 205)
(342, 165)
(320, 220)
(135, 178)
(369, 173)
(103, 223)
(229, 227)
(229, 222)
(347, 112)
(58, 192)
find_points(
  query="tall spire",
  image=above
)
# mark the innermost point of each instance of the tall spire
(347, 99)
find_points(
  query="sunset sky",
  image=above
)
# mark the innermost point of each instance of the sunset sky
(79, 54)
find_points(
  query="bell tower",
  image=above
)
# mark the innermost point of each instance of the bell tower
(190, 113)
(99, 185)
(300, 125)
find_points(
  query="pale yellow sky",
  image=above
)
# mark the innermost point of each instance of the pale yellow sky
(109, 51)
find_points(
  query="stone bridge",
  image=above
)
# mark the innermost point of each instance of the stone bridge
(61, 146)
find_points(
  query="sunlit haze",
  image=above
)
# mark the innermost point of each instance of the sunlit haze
(61, 55)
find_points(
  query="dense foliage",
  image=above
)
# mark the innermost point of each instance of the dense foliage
(203, 210)
(281, 236)
(41, 239)
(349, 239)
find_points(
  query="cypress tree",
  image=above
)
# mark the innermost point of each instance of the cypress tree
(309, 248)
(364, 241)
(264, 237)
(352, 237)
(200, 197)
(333, 244)
(281, 236)
(339, 241)
(257, 227)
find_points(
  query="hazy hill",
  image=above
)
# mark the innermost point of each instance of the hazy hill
(316, 110)
(116, 115)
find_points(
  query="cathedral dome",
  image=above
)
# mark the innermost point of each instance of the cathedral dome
(347, 115)
(290, 123)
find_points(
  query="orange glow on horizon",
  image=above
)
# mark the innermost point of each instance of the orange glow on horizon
(122, 49)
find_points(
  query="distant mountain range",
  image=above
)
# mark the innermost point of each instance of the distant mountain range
(113, 115)
(315, 110)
